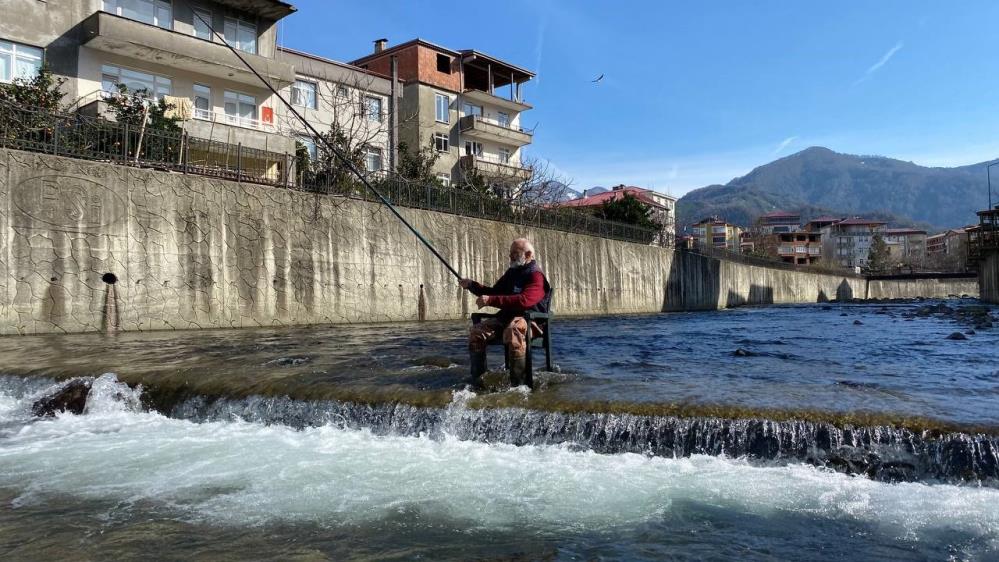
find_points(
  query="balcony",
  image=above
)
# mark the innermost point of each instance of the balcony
(493, 168)
(483, 97)
(208, 125)
(121, 36)
(478, 127)
(236, 120)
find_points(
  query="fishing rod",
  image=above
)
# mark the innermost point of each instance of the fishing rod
(346, 161)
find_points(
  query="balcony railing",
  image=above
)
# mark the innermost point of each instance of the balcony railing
(469, 121)
(495, 159)
(236, 120)
(94, 138)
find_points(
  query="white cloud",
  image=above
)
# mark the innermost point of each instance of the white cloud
(881, 62)
(539, 46)
(783, 144)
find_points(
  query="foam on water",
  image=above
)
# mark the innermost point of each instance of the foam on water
(241, 473)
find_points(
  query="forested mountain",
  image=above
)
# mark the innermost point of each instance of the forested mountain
(820, 181)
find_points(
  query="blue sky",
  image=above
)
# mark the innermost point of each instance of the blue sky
(699, 93)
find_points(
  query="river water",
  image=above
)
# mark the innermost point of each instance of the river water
(260, 455)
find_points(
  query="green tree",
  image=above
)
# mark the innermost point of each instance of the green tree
(878, 259)
(131, 106)
(418, 165)
(29, 109)
(329, 172)
(43, 92)
(628, 210)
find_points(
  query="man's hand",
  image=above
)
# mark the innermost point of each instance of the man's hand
(482, 301)
(466, 283)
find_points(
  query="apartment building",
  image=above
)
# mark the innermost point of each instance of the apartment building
(906, 245)
(776, 222)
(848, 242)
(947, 243)
(332, 95)
(799, 247)
(715, 232)
(162, 47)
(465, 104)
(662, 207)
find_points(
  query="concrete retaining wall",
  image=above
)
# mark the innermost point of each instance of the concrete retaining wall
(988, 278)
(707, 283)
(941, 288)
(191, 252)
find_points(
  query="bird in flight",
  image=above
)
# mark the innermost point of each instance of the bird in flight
(597, 79)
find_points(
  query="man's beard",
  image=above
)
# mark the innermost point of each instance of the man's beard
(519, 262)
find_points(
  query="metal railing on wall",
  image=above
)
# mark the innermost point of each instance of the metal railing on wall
(99, 139)
(94, 138)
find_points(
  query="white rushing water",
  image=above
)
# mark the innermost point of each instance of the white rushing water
(242, 474)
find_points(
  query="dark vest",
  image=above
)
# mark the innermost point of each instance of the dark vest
(514, 281)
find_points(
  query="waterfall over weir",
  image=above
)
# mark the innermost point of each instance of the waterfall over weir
(881, 453)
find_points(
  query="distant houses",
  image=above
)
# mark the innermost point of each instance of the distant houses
(715, 232)
(841, 241)
(662, 207)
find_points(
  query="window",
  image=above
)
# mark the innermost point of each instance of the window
(372, 159)
(19, 61)
(240, 109)
(445, 179)
(241, 34)
(442, 105)
(503, 119)
(310, 146)
(153, 12)
(304, 94)
(443, 63)
(373, 108)
(202, 102)
(341, 91)
(152, 85)
(469, 109)
(201, 29)
(473, 148)
(441, 142)
(504, 155)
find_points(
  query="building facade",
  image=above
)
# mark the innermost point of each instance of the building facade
(337, 97)
(714, 232)
(799, 247)
(948, 251)
(165, 48)
(776, 222)
(848, 242)
(906, 246)
(452, 102)
(177, 48)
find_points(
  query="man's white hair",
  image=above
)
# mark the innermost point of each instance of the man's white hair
(527, 246)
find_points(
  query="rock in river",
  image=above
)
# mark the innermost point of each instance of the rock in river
(71, 397)
(957, 336)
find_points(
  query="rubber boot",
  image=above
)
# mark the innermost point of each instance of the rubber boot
(478, 363)
(518, 371)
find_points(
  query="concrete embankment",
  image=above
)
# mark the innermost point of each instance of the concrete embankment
(939, 286)
(988, 278)
(176, 251)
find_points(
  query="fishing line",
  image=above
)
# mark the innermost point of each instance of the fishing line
(346, 161)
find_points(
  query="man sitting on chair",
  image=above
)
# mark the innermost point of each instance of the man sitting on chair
(523, 287)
